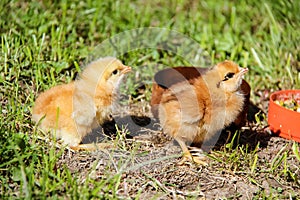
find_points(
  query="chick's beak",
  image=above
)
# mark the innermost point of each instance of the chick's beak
(126, 69)
(243, 71)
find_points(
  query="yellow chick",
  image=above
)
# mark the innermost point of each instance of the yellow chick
(71, 111)
(196, 111)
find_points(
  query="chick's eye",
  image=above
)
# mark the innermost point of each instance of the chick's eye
(115, 72)
(228, 76)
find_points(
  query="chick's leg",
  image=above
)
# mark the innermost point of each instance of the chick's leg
(73, 137)
(187, 156)
(92, 146)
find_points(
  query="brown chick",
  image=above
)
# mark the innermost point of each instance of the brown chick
(71, 111)
(197, 112)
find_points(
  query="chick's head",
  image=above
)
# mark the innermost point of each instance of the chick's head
(106, 72)
(114, 71)
(231, 75)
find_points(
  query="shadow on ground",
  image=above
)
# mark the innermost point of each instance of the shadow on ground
(137, 126)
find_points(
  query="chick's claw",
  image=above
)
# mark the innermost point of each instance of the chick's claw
(187, 157)
(199, 160)
(92, 146)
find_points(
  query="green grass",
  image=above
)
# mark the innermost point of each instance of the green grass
(44, 43)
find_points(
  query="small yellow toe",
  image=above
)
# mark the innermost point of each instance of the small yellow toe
(92, 146)
(200, 160)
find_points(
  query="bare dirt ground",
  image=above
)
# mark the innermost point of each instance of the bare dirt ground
(146, 161)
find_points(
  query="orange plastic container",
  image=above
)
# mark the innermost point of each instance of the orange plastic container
(282, 121)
